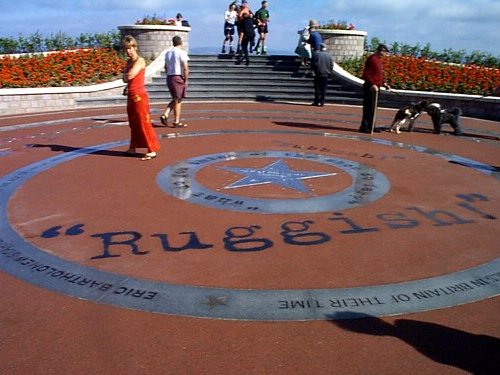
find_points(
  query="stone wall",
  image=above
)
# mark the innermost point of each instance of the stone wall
(42, 100)
(152, 42)
(344, 44)
(32, 100)
(153, 39)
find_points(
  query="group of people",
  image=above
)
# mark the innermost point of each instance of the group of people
(241, 19)
(180, 21)
(309, 41)
(177, 69)
(312, 50)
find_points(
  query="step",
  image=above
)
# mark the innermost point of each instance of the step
(236, 80)
(219, 83)
(301, 97)
(267, 78)
(237, 90)
(252, 65)
(240, 71)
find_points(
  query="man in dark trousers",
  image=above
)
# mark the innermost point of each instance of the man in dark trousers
(322, 65)
(374, 79)
(246, 26)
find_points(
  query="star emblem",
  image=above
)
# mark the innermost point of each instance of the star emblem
(277, 173)
(215, 301)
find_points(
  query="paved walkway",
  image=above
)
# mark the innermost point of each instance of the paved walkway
(264, 239)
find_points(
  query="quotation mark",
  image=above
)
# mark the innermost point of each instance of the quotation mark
(53, 232)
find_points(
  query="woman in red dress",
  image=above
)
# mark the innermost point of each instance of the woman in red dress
(142, 134)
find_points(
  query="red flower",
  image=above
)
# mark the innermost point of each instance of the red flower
(64, 68)
(403, 72)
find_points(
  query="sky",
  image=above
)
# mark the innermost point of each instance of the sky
(470, 25)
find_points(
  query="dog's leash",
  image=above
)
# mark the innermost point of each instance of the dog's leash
(400, 95)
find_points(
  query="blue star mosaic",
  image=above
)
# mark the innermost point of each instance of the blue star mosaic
(277, 173)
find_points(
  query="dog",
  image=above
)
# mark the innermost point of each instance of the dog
(442, 116)
(409, 112)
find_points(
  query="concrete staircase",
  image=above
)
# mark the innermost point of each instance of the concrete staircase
(267, 78)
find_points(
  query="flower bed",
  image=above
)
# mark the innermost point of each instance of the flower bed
(64, 68)
(92, 66)
(336, 25)
(411, 73)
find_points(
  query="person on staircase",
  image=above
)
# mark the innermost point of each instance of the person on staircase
(262, 19)
(315, 38)
(243, 13)
(229, 22)
(303, 48)
(247, 39)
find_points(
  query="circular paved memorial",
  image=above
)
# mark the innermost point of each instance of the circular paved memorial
(254, 212)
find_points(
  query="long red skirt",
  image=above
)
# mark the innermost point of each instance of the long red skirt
(142, 134)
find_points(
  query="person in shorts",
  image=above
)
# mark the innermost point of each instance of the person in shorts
(229, 23)
(262, 19)
(176, 66)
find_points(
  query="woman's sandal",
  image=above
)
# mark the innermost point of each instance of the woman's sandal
(149, 156)
(164, 120)
(179, 125)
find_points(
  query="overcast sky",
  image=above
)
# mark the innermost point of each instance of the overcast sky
(457, 24)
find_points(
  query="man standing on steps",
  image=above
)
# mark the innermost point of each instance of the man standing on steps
(229, 22)
(243, 12)
(322, 65)
(315, 38)
(262, 19)
(246, 25)
(176, 66)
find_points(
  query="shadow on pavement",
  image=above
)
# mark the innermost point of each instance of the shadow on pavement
(61, 148)
(314, 126)
(478, 354)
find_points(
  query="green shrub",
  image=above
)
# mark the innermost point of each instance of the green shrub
(58, 42)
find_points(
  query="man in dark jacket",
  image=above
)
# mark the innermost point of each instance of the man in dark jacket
(246, 25)
(322, 65)
(315, 38)
(374, 79)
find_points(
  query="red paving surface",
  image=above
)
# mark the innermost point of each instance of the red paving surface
(44, 332)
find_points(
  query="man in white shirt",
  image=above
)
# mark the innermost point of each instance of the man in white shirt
(176, 66)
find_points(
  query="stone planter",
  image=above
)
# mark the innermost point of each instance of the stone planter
(152, 40)
(344, 44)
